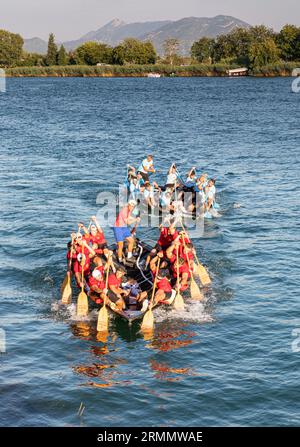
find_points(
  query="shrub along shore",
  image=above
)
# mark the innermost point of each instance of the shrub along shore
(210, 70)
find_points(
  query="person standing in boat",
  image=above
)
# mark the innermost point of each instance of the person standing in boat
(146, 168)
(122, 229)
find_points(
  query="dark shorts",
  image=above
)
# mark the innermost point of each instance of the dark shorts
(145, 176)
(168, 295)
(112, 296)
(94, 296)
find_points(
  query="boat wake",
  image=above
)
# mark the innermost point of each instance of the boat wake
(194, 312)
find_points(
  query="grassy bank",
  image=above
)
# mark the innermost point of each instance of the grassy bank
(281, 69)
(119, 70)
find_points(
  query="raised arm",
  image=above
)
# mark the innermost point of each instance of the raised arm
(94, 219)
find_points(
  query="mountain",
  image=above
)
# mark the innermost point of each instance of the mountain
(186, 30)
(115, 31)
(35, 45)
(190, 29)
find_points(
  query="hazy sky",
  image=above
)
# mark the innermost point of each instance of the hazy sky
(69, 19)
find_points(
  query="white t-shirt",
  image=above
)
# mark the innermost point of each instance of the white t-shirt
(145, 164)
(213, 189)
(171, 179)
(148, 194)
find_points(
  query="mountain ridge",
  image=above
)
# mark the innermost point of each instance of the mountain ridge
(187, 30)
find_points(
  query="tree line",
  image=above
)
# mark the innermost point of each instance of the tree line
(254, 47)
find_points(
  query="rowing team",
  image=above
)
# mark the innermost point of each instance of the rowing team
(170, 197)
(171, 262)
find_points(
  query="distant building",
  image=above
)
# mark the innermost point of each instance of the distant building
(238, 72)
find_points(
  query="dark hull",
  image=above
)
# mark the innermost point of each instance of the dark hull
(134, 270)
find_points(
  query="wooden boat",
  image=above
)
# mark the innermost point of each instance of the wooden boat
(134, 270)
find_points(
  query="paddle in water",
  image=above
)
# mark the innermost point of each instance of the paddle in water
(66, 288)
(148, 320)
(196, 293)
(178, 302)
(102, 324)
(82, 302)
(202, 273)
(200, 270)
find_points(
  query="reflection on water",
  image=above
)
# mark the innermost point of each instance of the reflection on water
(166, 338)
(108, 369)
(163, 371)
(82, 329)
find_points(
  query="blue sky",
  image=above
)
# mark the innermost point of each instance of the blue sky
(69, 19)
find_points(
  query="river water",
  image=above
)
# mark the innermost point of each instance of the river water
(232, 361)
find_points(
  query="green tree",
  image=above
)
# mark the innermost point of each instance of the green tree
(31, 60)
(171, 49)
(10, 48)
(92, 53)
(223, 48)
(263, 52)
(118, 55)
(246, 46)
(202, 50)
(134, 51)
(288, 41)
(51, 58)
(62, 56)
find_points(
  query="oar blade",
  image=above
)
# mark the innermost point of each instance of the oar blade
(178, 302)
(102, 324)
(196, 293)
(148, 320)
(82, 305)
(203, 275)
(65, 283)
(66, 297)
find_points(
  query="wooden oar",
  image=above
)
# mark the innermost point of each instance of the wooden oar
(178, 302)
(148, 320)
(102, 324)
(196, 293)
(202, 273)
(66, 288)
(82, 302)
(200, 270)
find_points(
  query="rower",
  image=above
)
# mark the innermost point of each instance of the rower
(167, 237)
(115, 292)
(122, 231)
(172, 177)
(164, 289)
(191, 178)
(96, 237)
(212, 188)
(97, 285)
(184, 273)
(84, 253)
(165, 199)
(136, 296)
(146, 168)
(149, 195)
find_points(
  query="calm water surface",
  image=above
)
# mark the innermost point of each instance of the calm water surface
(228, 363)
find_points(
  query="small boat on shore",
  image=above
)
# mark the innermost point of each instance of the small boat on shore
(153, 75)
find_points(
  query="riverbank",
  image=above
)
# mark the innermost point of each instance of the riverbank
(216, 70)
